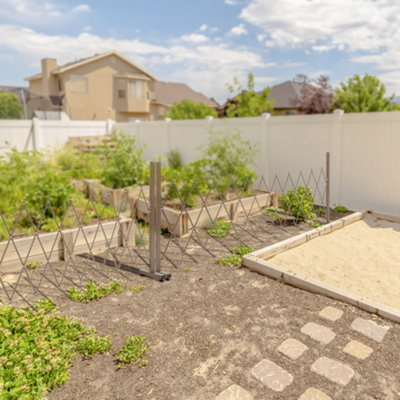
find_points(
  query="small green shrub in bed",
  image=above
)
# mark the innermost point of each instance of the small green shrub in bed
(134, 350)
(219, 229)
(93, 291)
(341, 209)
(36, 349)
(298, 202)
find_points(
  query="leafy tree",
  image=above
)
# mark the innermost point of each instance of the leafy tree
(188, 109)
(315, 96)
(364, 94)
(10, 107)
(246, 103)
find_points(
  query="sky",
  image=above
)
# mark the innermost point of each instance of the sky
(206, 43)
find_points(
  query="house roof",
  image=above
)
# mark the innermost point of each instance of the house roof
(74, 64)
(168, 93)
(285, 94)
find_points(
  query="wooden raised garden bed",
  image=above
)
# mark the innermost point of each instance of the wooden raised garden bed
(66, 243)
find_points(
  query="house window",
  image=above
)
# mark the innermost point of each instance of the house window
(121, 93)
(79, 84)
(137, 90)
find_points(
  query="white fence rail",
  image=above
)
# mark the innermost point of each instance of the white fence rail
(365, 148)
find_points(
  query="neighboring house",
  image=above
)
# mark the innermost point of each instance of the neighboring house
(105, 86)
(285, 95)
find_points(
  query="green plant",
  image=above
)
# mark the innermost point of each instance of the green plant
(137, 288)
(174, 159)
(320, 211)
(90, 345)
(34, 265)
(36, 350)
(10, 107)
(187, 269)
(93, 291)
(315, 224)
(298, 202)
(233, 259)
(134, 350)
(272, 212)
(340, 209)
(122, 164)
(242, 250)
(219, 229)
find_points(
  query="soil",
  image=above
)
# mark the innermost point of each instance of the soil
(211, 324)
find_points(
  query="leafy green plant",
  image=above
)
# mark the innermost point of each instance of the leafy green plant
(298, 202)
(137, 288)
(242, 250)
(90, 345)
(93, 291)
(36, 350)
(33, 264)
(219, 229)
(233, 259)
(188, 109)
(341, 209)
(320, 211)
(315, 224)
(174, 159)
(122, 164)
(134, 350)
(274, 213)
(10, 107)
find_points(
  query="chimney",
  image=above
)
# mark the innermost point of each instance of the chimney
(49, 81)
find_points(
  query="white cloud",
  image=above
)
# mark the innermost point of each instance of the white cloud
(230, 2)
(207, 67)
(357, 25)
(261, 37)
(206, 28)
(81, 8)
(194, 38)
(238, 30)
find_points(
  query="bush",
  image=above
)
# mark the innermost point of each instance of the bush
(298, 202)
(134, 350)
(122, 164)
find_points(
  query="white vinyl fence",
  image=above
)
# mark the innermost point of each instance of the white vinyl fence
(364, 148)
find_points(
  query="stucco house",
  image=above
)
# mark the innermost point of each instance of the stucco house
(105, 86)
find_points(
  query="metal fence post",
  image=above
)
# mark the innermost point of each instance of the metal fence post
(155, 217)
(328, 178)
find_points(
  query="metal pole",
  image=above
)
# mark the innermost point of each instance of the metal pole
(328, 210)
(155, 217)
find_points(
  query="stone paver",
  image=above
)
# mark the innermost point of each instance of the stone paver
(331, 313)
(292, 348)
(318, 332)
(370, 329)
(272, 375)
(358, 350)
(333, 370)
(314, 394)
(234, 392)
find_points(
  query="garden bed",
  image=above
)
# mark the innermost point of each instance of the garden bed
(354, 259)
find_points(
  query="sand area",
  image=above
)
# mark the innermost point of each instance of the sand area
(362, 258)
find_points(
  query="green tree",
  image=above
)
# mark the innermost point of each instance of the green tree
(247, 103)
(10, 107)
(188, 109)
(363, 94)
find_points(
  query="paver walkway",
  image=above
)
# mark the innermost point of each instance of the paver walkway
(276, 379)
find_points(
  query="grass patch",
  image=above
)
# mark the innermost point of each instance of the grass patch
(91, 345)
(93, 291)
(242, 250)
(134, 350)
(36, 349)
(320, 211)
(233, 259)
(341, 209)
(137, 288)
(219, 229)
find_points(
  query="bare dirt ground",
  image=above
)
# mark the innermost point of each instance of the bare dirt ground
(211, 324)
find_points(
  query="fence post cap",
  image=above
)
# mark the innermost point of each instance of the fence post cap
(266, 115)
(209, 117)
(338, 112)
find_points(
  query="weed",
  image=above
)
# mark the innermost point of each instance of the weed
(187, 269)
(36, 350)
(233, 259)
(219, 229)
(242, 250)
(34, 265)
(274, 213)
(140, 239)
(90, 345)
(315, 224)
(134, 350)
(93, 291)
(340, 209)
(137, 288)
(320, 211)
